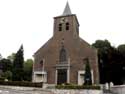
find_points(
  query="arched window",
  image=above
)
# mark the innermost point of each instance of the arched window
(67, 26)
(63, 55)
(60, 27)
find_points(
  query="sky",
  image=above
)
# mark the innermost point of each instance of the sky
(30, 22)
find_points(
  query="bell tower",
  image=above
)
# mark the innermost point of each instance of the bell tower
(66, 24)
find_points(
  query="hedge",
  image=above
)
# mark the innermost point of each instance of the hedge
(78, 87)
(21, 83)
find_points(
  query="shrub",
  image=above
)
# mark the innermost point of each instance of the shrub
(7, 75)
(21, 83)
(71, 86)
(2, 78)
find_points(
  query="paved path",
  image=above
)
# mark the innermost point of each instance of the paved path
(10, 91)
(23, 92)
(27, 90)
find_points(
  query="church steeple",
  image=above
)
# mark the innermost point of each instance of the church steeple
(67, 10)
(66, 24)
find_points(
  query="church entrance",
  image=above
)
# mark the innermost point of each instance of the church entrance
(62, 76)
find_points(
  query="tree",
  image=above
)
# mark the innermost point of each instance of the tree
(17, 73)
(87, 75)
(5, 65)
(104, 48)
(121, 49)
(28, 69)
(11, 57)
(111, 62)
(7, 75)
(6, 68)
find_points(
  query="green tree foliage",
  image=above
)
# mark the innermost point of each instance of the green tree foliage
(17, 73)
(11, 57)
(5, 65)
(87, 76)
(104, 47)
(110, 62)
(28, 69)
(6, 68)
(7, 75)
(121, 49)
(13, 65)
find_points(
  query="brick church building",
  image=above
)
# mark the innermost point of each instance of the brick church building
(62, 58)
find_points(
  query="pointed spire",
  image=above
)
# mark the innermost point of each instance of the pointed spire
(67, 10)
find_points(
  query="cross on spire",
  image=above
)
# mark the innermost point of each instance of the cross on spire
(67, 10)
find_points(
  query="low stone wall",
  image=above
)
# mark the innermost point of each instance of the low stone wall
(52, 91)
(18, 87)
(120, 89)
(56, 91)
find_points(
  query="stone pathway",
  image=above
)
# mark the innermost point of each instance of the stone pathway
(28, 90)
(11, 91)
(23, 92)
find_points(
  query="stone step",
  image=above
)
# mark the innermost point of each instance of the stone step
(50, 86)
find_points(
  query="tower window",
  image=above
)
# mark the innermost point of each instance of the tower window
(63, 55)
(41, 64)
(67, 26)
(60, 27)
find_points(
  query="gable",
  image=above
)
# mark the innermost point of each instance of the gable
(43, 48)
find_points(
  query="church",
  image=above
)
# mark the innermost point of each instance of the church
(62, 58)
